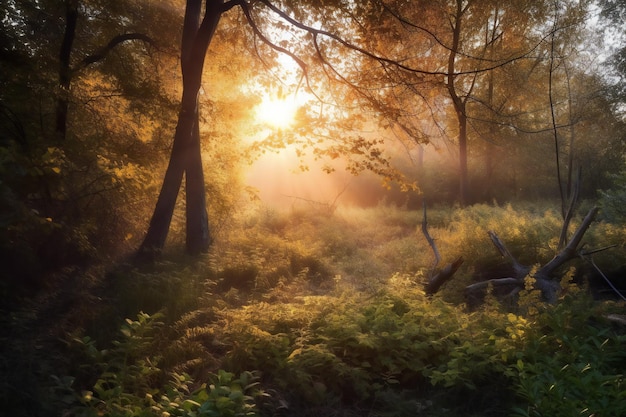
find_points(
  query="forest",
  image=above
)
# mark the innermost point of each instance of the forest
(281, 208)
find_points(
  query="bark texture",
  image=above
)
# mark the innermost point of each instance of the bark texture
(186, 156)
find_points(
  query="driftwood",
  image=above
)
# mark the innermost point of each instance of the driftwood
(544, 280)
(443, 276)
(436, 280)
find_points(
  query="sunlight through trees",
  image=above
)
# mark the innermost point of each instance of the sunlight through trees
(232, 207)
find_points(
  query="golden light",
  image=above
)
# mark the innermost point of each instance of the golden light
(277, 113)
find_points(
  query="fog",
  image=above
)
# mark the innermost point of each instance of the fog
(281, 182)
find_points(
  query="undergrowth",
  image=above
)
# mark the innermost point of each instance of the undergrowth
(298, 314)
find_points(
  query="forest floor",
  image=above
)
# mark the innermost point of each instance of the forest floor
(312, 311)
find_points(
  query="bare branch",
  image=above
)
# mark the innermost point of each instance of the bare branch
(101, 53)
(520, 270)
(443, 276)
(591, 252)
(246, 11)
(608, 281)
(496, 282)
(569, 251)
(429, 239)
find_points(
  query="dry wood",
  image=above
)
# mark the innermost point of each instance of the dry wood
(544, 280)
(520, 270)
(569, 251)
(443, 276)
(494, 282)
(617, 318)
(429, 239)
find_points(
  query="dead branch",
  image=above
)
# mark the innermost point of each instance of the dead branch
(429, 239)
(475, 293)
(599, 271)
(437, 280)
(443, 276)
(544, 281)
(520, 270)
(591, 252)
(617, 318)
(569, 252)
(496, 282)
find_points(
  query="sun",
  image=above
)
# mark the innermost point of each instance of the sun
(277, 113)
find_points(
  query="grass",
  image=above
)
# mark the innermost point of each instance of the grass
(328, 313)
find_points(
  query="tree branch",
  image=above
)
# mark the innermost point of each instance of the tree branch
(429, 239)
(520, 270)
(101, 53)
(497, 63)
(494, 282)
(345, 43)
(246, 11)
(569, 251)
(443, 276)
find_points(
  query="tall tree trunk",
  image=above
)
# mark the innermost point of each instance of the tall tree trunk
(463, 171)
(186, 154)
(65, 72)
(197, 231)
(459, 106)
(164, 209)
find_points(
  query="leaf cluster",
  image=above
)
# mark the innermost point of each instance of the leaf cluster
(129, 382)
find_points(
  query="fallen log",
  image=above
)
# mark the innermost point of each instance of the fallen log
(544, 279)
(520, 270)
(570, 250)
(444, 275)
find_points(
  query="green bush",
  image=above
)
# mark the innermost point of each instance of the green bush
(129, 382)
(359, 343)
(572, 362)
(613, 201)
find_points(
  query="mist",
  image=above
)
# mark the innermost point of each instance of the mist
(282, 180)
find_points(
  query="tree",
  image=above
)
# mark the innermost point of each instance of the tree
(382, 52)
(73, 72)
(456, 50)
(198, 30)
(612, 12)
(186, 158)
(67, 70)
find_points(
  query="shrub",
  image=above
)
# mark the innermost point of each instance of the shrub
(571, 362)
(128, 382)
(614, 201)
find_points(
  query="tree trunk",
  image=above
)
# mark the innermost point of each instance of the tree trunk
(186, 152)
(65, 72)
(463, 172)
(161, 218)
(197, 230)
(459, 106)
